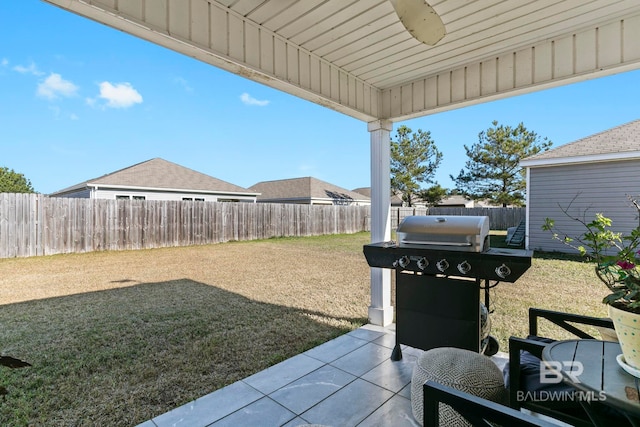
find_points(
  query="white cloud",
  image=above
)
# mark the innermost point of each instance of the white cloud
(29, 69)
(119, 95)
(4, 62)
(249, 100)
(59, 114)
(185, 84)
(54, 86)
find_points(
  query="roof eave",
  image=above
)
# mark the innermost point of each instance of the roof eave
(173, 190)
(319, 199)
(329, 199)
(596, 158)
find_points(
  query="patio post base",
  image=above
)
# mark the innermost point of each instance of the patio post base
(381, 316)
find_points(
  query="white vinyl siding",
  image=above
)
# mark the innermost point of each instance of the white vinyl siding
(597, 188)
(158, 195)
(315, 201)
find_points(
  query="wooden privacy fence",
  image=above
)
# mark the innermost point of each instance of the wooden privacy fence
(499, 218)
(32, 224)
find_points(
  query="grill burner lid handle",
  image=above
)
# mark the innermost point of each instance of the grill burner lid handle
(436, 243)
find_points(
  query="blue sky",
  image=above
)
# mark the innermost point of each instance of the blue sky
(79, 99)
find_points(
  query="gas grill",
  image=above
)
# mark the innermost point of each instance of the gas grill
(460, 233)
(441, 264)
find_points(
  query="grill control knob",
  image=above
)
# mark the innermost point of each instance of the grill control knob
(422, 263)
(442, 265)
(464, 267)
(404, 261)
(503, 271)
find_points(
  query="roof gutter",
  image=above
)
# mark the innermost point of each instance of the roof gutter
(175, 190)
(595, 158)
(317, 199)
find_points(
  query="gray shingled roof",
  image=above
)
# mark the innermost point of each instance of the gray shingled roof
(160, 173)
(302, 188)
(366, 191)
(621, 139)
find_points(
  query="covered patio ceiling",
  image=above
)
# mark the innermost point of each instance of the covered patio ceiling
(356, 57)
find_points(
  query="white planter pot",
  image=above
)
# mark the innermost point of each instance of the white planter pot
(627, 326)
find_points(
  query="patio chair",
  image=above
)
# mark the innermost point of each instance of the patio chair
(522, 372)
(476, 410)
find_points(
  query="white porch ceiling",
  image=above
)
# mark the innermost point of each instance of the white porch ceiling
(355, 56)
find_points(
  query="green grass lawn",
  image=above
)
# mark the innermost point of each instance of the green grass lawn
(117, 338)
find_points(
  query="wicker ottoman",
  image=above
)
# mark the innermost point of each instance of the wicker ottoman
(460, 369)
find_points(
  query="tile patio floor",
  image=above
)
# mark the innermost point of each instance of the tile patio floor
(349, 381)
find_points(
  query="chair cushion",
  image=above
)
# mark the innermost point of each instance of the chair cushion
(534, 390)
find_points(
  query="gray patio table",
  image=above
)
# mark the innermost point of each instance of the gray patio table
(591, 367)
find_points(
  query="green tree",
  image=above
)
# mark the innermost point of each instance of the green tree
(414, 160)
(493, 169)
(433, 195)
(14, 182)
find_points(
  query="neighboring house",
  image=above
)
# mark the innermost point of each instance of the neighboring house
(307, 190)
(456, 201)
(158, 179)
(593, 175)
(396, 201)
(461, 201)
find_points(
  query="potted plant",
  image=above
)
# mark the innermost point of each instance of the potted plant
(617, 264)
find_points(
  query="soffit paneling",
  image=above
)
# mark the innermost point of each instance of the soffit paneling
(354, 34)
(356, 57)
(597, 51)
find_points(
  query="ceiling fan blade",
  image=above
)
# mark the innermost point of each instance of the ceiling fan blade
(420, 20)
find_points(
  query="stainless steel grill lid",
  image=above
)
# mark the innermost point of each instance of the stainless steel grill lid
(458, 233)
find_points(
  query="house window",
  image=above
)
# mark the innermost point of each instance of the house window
(139, 198)
(123, 197)
(187, 198)
(199, 200)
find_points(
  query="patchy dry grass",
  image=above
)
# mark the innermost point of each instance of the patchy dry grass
(116, 338)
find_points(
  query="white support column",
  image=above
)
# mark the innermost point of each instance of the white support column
(380, 310)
